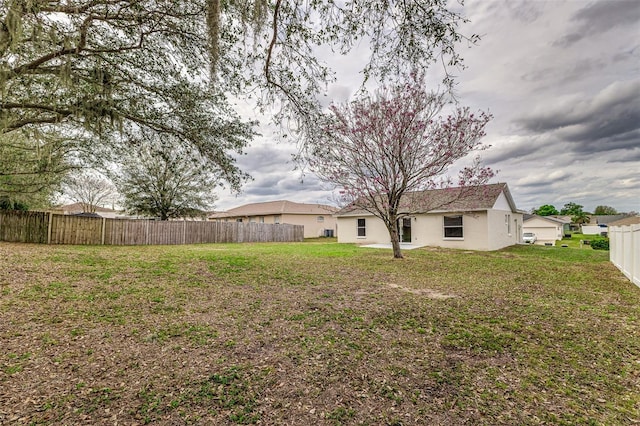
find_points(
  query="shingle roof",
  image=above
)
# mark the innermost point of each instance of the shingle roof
(606, 219)
(547, 218)
(444, 200)
(631, 220)
(275, 208)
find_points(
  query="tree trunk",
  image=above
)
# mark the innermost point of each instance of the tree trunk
(395, 238)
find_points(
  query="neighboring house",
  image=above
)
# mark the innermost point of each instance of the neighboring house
(317, 219)
(486, 219)
(548, 229)
(79, 208)
(599, 224)
(627, 220)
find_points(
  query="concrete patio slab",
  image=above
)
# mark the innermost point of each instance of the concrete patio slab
(403, 246)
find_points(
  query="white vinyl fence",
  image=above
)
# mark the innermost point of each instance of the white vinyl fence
(624, 250)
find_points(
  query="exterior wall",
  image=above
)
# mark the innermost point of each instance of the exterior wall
(546, 231)
(375, 229)
(312, 228)
(428, 230)
(251, 219)
(500, 233)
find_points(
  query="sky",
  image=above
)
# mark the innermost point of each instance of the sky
(562, 80)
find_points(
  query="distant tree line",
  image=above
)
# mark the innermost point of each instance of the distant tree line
(578, 215)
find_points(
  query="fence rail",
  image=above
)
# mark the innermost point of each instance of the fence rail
(624, 250)
(44, 227)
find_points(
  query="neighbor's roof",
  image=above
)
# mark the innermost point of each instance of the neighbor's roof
(608, 218)
(454, 199)
(275, 208)
(77, 207)
(547, 218)
(631, 220)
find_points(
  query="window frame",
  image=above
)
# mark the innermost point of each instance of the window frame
(362, 227)
(446, 227)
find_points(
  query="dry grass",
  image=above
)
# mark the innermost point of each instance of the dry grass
(315, 333)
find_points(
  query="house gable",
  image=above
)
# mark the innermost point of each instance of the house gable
(502, 203)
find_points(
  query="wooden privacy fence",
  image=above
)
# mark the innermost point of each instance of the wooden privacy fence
(42, 227)
(624, 250)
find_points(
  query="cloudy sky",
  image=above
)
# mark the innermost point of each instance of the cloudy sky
(562, 79)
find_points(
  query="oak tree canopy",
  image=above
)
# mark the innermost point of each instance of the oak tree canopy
(99, 72)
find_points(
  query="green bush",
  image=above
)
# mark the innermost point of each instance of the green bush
(600, 244)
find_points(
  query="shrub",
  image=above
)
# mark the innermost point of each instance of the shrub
(600, 244)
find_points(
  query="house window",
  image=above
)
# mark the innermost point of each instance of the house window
(453, 227)
(261, 219)
(238, 220)
(507, 221)
(252, 220)
(362, 228)
(320, 219)
(276, 219)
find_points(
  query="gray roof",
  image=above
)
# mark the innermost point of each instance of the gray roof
(455, 199)
(606, 219)
(275, 208)
(629, 220)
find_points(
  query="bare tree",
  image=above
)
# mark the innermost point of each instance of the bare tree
(90, 190)
(383, 151)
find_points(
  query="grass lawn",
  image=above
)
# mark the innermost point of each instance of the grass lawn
(316, 333)
(574, 241)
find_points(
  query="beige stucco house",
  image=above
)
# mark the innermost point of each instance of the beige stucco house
(485, 219)
(548, 229)
(317, 219)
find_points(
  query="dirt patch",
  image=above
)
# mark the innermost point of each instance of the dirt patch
(423, 292)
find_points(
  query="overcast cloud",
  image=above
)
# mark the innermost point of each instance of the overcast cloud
(562, 79)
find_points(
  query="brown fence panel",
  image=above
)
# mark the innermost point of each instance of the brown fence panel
(34, 227)
(76, 230)
(166, 232)
(24, 227)
(122, 232)
(197, 232)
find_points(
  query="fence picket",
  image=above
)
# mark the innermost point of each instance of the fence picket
(42, 227)
(624, 250)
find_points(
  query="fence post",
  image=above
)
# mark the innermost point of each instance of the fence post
(103, 230)
(49, 227)
(184, 231)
